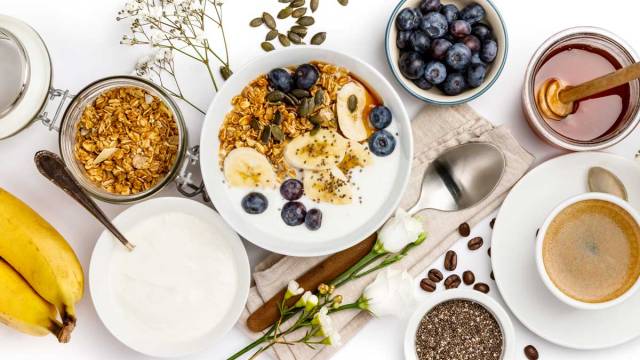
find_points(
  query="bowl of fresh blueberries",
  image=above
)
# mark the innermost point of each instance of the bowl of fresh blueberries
(446, 52)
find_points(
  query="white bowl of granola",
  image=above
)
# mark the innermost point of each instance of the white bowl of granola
(306, 151)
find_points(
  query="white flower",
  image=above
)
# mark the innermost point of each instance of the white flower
(200, 35)
(323, 321)
(163, 54)
(308, 301)
(132, 6)
(333, 339)
(293, 289)
(398, 232)
(391, 293)
(156, 37)
(155, 12)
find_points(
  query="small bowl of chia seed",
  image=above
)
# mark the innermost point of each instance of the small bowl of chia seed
(459, 324)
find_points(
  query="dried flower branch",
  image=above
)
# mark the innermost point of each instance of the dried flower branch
(175, 27)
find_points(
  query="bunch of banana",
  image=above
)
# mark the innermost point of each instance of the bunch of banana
(39, 275)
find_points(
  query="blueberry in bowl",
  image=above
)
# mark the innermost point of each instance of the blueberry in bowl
(382, 143)
(468, 39)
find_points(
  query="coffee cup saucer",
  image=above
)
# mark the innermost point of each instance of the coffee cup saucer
(513, 254)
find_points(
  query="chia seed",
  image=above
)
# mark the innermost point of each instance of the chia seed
(459, 329)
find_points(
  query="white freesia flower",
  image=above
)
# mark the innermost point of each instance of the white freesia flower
(308, 301)
(398, 232)
(391, 293)
(333, 339)
(323, 321)
(293, 289)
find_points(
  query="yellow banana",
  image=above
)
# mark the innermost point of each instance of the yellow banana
(24, 310)
(41, 255)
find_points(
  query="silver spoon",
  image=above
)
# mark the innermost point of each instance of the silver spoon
(460, 177)
(603, 180)
(51, 166)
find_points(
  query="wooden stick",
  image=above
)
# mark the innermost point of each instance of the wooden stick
(592, 87)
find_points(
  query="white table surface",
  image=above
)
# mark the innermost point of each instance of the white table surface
(82, 37)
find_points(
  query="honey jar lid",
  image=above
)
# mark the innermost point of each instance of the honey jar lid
(25, 70)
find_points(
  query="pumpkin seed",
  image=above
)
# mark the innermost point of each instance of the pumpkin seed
(315, 119)
(267, 46)
(284, 13)
(315, 130)
(275, 96)
(225, 72)
(300, 93)
(284, 40)
(297, 3)
(277, 133)
(318, 98)
(352, 103)
(300, 30)
(306, 107)
(277, 118)
(306, 21)
(299, 12)
(266, 135)
(271, 35)
(295, 38)
(314, 5)
(318, 38)
(344, 2)
(285, 1)
(255, 124)
(269, 20)
(291, 100)
(256, 22)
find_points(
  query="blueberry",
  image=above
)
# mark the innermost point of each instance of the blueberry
(382, 143)
(411, 65)
(402, 40)
(472, 42)
(489, 51)
(293, 213)
(475, 60)
(434, 24)
(475, 75)
(459, 29)
(380, 117)
(458, 56)
(439, 48)
(472, 13)
(422, 83)
(254, 203)
(454, 84)
(482, 32)
(427, 6)
(435, 72)
(306, 76)
(419, 41)
(313, 219)
(450, 12)
(291, 189)
(280, 79)
(408, 19)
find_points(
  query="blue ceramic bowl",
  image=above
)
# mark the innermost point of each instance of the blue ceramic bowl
(434, 95)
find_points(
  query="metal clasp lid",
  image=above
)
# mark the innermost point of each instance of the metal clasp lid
(184, 181)
(52, 122)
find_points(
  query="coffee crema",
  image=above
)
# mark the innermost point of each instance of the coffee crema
(591, 251)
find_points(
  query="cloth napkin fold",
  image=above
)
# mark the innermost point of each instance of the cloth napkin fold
(434, 130)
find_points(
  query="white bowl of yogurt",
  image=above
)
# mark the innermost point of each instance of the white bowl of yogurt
(182, 288)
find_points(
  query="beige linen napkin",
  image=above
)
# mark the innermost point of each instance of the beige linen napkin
(434, 130)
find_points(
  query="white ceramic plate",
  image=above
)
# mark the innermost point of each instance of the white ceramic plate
(508, 334)
(108, 308)
(513, 254)
(381, 188)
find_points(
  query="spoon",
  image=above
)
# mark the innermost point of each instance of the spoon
(556, 99)
(51, 166)
(457, 179)
(603, 180)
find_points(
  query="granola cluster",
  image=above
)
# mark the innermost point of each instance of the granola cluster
(253, 116)
(127, 140)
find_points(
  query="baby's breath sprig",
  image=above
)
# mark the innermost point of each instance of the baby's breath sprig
(175, 27)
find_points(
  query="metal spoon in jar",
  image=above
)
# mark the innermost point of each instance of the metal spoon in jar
(53, 168)
(603, 180)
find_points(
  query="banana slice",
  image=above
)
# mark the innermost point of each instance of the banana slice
(330, 186)
(351, 122)
(246, 167)
(357, 155)
(323, 150)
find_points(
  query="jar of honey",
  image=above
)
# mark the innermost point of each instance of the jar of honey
(574, 56)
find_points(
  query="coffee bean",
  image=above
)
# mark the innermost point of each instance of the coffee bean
(451, 260)
(492, 222)
(435, 275)
(475, 243)
(452, 281)
(464, 229)
(531, 352)
(427, 285)
(489, 251)
(468, 277)
(492, 277)
(482, 287)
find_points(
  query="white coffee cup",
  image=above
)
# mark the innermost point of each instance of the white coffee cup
(540, 262)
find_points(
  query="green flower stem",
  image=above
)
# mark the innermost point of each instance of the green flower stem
(267, 336)
(372, 256)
